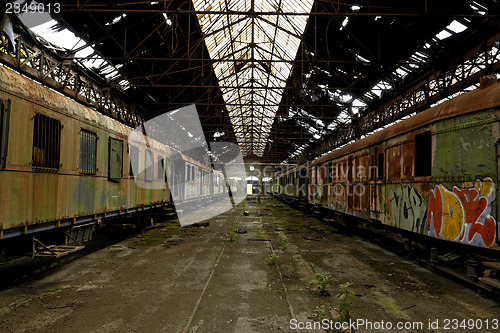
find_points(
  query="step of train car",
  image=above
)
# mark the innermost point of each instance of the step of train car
(56, 251)
(73, 242)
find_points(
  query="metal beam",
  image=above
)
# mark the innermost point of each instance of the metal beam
(46, 67)
(481, 60)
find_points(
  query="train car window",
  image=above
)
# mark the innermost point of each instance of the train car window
(4, 132)
(88, 152)
(380, 166)
(161, 167)
(350, 170)
(134, 158)
(149, 166)
(46, 143)
(115, 158)
(372, 167)
(330, 172)
(423, 154)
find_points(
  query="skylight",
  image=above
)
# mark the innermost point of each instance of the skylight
(456, 27)
(252, 58)
(87, 56)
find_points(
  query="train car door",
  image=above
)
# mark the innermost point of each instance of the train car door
(4, 131)
(178, 173)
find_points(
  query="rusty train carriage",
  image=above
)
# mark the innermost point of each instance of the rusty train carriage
(434, 174)
(200, 180)
(64, 165)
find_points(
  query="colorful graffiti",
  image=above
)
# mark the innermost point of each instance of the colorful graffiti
(463, 214)
(408, 208)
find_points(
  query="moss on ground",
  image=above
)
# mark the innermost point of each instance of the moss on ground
(158, 235)
(402, 275)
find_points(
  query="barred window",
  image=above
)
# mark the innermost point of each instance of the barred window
(46, 143)
(88, 152)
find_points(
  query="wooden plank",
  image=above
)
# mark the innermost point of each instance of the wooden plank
(492, 264)
(59, 251)
(491, 282)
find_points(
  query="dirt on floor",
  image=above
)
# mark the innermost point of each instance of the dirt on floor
(274, 270)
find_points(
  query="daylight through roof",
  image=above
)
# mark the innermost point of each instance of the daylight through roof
(252, 58)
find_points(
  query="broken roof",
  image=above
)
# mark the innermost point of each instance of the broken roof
(253, 55)
(285, 79)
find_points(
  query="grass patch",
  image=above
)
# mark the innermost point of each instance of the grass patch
(156, 236)
(402, 275)
(321, 280)
(273, 260)
(282, 241)
(233, 235)
(261, 234)
(274, 204)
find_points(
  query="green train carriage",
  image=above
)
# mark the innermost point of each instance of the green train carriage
(65, 165)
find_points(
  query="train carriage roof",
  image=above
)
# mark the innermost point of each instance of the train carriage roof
(480, 99)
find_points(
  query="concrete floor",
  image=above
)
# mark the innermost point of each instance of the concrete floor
(173, 279)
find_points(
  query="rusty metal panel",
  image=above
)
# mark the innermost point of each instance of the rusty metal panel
(115, 158)
(364, 198)
(406, 207)
(36, 197)
(466, 145)
(408, 159)
(477, 100)
(394, 163)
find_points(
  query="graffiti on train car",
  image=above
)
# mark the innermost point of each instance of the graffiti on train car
(408, 208)
(463, 214)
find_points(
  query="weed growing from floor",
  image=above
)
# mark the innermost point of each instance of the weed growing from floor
(321, 279)
(272, 204)
(282, 241)
(320, 312)
(345, 296)
(233, 235)
(260, 234)
(273, 260)
(243, 203)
